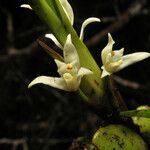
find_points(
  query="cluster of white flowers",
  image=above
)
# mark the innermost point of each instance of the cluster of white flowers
(70, 70)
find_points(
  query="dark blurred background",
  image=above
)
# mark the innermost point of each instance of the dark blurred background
(44, 118)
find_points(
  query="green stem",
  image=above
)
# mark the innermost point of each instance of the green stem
(118, 99)
(82, 95)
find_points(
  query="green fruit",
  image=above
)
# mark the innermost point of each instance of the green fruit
(143, 123)
(118, 137)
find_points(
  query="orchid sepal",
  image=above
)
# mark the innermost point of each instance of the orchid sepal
(85, 23)
(68, 10)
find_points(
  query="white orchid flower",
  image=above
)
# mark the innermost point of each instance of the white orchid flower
(114, 61)
(69, 70)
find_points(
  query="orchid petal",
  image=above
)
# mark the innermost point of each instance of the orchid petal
(133, 58)
(51, 81)
(85, 23)
(107, 49)
(68, 10)
(118, 54)
(84, 71)
(104, 72)
(61, 66)
(26, 6)
(53, 38)
(70, 53)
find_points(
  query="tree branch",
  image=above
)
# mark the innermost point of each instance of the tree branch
(123, 19)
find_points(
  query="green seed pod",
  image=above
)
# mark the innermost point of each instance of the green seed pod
(118, 137)
(143, 123)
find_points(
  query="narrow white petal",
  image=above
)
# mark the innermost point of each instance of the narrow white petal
(70, 53)
(118, 54)
(133, 58)
(107, 49)
(61, 66)
(104, 72)
(51, 81)
(84, 71)
(85, 23)
(68, 10)
(53, 38)
(26, 6)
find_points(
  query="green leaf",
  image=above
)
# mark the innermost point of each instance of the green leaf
(136, 113)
